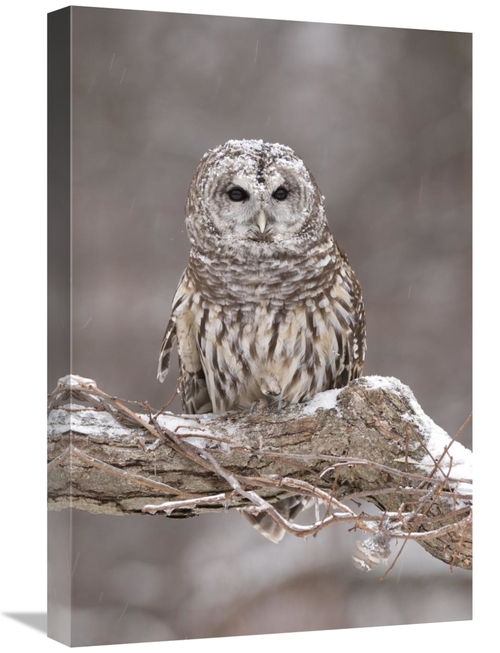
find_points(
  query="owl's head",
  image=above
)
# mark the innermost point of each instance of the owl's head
(252, 194)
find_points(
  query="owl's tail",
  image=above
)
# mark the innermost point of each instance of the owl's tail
(289, 508)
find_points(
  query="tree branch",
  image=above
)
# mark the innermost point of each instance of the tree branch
(370, 441)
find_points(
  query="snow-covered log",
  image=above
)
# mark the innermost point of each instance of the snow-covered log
(370, 441)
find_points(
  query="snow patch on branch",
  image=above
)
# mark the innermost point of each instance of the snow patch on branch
(192, 425)
(73, 380)
(457, 462)
(87, 422)
(387, 383)
(323, 400)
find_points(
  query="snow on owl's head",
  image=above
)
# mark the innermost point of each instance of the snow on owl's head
(253, 194)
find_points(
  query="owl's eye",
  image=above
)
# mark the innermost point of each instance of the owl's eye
(280, 194)
(237, 194)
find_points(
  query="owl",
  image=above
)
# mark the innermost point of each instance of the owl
(268, 311)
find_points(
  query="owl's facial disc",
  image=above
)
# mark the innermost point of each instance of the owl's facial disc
(254, 195)
(268, 208)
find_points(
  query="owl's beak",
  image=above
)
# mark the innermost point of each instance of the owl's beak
(261, 221)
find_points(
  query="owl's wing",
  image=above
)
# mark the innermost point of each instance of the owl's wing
(166, 347)
(181, 328)
(351, 337)
(181, 306)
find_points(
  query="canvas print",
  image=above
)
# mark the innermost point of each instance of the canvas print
(259, 326)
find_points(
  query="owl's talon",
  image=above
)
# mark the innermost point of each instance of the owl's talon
(257, 405)
(279, 405)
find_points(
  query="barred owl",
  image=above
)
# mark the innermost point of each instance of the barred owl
(268, 310)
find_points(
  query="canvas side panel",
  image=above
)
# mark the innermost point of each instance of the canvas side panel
(59, 300)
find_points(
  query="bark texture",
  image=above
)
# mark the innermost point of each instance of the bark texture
(368, 441)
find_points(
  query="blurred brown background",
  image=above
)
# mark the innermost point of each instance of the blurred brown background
(382, 118)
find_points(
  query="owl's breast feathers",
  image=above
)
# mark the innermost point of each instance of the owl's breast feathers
(275, 329)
